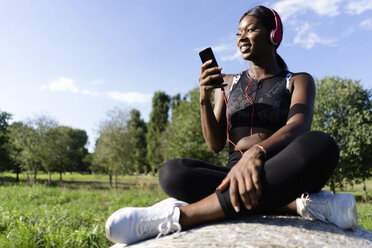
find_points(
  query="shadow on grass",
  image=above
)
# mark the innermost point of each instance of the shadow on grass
(84, 184)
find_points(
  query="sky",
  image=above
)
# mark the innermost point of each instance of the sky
(76, 60)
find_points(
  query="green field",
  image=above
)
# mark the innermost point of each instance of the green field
(73, 214)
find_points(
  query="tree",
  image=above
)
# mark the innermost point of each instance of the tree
(343, 110)
(45, 148)
(79, 152)
(155, 128)
(22, 148)
(184, 137)
(112, 149)
(4, 156)
(137, 138)
(68, 148)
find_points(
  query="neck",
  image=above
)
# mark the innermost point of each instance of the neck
(266, 67)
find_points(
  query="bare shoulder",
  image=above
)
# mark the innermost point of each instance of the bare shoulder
(301, 80)
(303, 77)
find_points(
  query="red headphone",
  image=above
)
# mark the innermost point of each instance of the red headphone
(276, 35)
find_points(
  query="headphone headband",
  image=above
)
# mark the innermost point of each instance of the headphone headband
(276, 35)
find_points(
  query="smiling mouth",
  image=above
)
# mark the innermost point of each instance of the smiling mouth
(244, 47)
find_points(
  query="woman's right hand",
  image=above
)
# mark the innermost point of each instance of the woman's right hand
(207, 76)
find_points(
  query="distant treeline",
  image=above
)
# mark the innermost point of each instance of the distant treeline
(128, 145)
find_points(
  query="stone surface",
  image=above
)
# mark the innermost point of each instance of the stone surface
(264, 232)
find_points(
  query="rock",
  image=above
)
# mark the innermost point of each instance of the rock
(264, 232)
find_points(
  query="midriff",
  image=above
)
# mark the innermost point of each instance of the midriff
(241, 136)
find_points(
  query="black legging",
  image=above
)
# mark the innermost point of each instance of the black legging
(304, 165)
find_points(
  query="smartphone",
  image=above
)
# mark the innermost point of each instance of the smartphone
(207, 54)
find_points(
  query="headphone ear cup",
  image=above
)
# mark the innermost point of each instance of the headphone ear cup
(272, 37)
(276, 35)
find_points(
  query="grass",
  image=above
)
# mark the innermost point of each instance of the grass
(73, 214)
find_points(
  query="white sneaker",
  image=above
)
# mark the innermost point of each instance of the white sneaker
(338, 209)
(129, 225)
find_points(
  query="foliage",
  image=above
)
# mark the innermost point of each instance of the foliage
(4, 156)
(68, 148)
(45, 146)
(22, 147)
(137, 140)
(41, 144)
(343, 109)
(184, 137)
(156, 126)
(112, 149)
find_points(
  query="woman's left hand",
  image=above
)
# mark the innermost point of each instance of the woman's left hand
(244, 179)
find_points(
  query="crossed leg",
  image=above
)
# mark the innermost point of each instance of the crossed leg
(303, 166)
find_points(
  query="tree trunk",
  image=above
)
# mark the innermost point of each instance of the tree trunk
(332, 186)
(49, 177)
(28, 177)
(365, 189)
(116, 180)
(60, 177)
(110, 175)
(35, 175)
(17, 172)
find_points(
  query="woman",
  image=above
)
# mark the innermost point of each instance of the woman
(266, 113)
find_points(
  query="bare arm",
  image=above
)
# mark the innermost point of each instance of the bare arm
(213, 120)
(299, 117)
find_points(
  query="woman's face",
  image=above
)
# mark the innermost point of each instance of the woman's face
(253, 39)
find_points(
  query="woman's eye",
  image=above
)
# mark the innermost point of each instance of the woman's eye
(248, 30)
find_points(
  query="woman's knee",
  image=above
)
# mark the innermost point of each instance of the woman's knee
(322, 154)
(317, 142)
(170, 175)
(327, 144)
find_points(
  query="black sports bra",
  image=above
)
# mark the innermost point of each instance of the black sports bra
(271, 99)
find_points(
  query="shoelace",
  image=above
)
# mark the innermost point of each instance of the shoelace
(305, 198)
(164, 227)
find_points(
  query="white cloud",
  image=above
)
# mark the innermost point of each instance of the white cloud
(236, 55)
(307, 38)
(219, 48)
(227, 50)
(356, 7)
(366, 24)
(62, 84)
(222, 47)
(90, 93)
(292, 8)
(130, 97)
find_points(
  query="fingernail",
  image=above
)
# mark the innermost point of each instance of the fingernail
(237, 209)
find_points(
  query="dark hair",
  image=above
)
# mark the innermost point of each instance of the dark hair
(267, 18)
